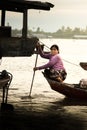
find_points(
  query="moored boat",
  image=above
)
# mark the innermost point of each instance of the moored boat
(83, 65)
(5, 80)
(69, 90)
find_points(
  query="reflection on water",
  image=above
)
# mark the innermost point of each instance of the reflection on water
(45, 101)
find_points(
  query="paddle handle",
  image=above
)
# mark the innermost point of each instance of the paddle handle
(33, 77)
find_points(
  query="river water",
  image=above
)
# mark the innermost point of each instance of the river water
(43, 99)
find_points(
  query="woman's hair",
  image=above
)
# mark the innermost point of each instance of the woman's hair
(54, 46)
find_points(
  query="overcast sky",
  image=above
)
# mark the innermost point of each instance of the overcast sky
(72, 13)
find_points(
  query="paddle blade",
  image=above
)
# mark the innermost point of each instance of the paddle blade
(26, 97)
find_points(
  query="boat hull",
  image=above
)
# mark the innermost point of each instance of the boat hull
(83, 65)
(69, 90)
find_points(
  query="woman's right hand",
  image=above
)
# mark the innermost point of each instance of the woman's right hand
(38, 47)
(38, 44)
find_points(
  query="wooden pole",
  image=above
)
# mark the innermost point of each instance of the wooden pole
(3, 18)
(24, 30)
(33, 77)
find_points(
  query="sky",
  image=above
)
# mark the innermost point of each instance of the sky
(68, 13)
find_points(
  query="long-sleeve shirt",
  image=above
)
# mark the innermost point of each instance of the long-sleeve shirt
(55, 61)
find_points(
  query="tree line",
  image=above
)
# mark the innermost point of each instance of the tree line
(60, 33)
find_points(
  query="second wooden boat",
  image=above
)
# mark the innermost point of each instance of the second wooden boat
(5, 81)
(83, 65)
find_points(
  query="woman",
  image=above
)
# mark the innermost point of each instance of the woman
(55, 67)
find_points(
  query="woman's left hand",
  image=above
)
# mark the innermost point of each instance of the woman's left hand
(35, 68)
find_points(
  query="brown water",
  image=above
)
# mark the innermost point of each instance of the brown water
(46, 108)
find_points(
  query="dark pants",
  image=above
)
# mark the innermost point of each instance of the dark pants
(59, 75)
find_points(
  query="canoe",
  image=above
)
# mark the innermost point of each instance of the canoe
(69, 90)
(83, 65)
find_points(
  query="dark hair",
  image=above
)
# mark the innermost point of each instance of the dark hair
(56, 46)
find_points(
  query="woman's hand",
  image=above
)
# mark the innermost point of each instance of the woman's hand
(38, 44)
(35, 68)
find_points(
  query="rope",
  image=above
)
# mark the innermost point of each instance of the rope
(63, 59)
(71, 63)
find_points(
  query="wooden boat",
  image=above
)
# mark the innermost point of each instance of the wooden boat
(69, 90)
(5, 80)
(83, 65)
(21, 44)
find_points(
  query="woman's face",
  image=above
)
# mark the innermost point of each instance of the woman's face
(54, 51)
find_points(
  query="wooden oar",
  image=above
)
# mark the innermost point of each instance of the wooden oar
(83, 65)
(33, 77)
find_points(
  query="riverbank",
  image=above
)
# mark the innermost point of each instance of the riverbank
(26, 118)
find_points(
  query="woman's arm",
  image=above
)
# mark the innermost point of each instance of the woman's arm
(50, 64)
(42, 54)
